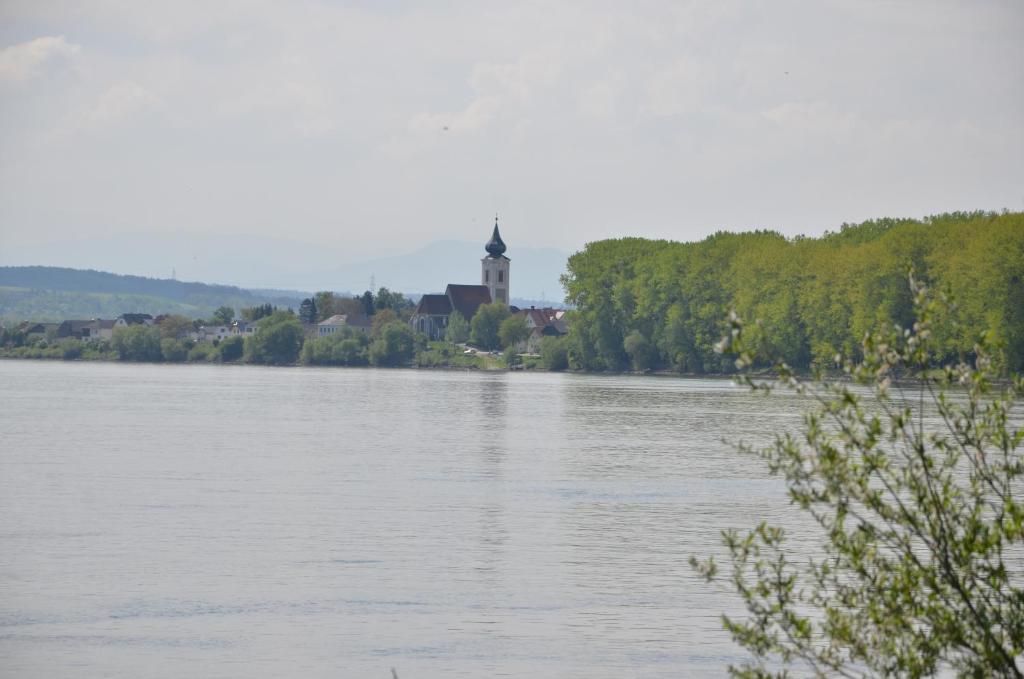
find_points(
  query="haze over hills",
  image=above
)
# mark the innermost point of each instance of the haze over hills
(50, 294)
(283, 264)
(534, 274)
(47, 293)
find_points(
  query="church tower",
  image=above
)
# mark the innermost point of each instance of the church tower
(494, 268)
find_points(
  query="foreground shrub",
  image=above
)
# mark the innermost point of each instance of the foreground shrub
(918, 489)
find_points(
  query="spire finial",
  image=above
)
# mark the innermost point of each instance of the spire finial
(495, 247)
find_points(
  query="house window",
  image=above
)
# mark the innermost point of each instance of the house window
(501, 276)
(487, 276)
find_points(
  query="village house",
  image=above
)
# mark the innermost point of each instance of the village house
(211, 333)
(244, 328)
(124, 320)
(94, 329)
(331, 325)
(34, 331)
(545, 322)
(103, 329)
(539, 318)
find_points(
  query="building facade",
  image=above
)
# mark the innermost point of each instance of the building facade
(330, 326)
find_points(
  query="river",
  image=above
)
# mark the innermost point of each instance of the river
(230, 521)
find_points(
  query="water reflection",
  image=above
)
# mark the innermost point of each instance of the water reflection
(347, 521)
(492, 423)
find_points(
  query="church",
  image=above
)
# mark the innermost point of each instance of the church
(431, 314)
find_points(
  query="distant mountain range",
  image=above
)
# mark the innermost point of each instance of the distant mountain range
(250, 262)
(46, 293)
(533, 276)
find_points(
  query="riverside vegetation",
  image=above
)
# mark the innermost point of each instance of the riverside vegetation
(647, 305)
(916, 488)
(282, 338)
(659, 305)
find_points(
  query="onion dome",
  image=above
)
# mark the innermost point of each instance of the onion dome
(495, 247)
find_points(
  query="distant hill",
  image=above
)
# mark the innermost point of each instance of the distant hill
(49, 293)
(252, 263)
(54, 293)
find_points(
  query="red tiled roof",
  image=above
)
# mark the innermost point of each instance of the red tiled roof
(466, 299)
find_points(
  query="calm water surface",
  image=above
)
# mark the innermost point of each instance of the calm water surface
(170, 521)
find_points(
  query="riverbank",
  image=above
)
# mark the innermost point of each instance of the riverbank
(486, 363)
(434, 356)
(480, 361)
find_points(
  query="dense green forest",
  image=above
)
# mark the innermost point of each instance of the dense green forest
(646, 304)
(46, 293)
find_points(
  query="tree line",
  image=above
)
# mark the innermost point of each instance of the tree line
(325, 304)
(645, 304)
(283, 337)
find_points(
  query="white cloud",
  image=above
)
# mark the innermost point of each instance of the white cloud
(599, 99)
(120, 101)
(473, 118)
(29, 59)
(816, 117)
(675, 89)
(522, 79)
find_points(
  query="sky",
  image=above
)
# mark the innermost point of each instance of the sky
(366, 129)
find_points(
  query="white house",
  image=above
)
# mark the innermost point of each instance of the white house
(244, 328)
(209, 333)
(331, 325)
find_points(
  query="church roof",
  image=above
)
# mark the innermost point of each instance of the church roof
(433, 305)
(495, 247)
(466, 299)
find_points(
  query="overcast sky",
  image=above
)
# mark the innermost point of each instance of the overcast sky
(373, 127)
